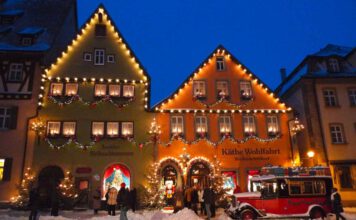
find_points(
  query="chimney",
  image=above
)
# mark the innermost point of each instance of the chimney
(283, 73)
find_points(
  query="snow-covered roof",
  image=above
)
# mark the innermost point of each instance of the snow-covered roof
(38, 47)
(333, 50)
(13, 12)
(31, 31)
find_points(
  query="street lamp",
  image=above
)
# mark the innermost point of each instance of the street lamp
(311, 154)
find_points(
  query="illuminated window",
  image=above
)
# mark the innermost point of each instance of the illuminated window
(68, 129)
(222, 88)
(128, 91)
(5, 117)
(225, 124)
(114, 90)
(337, 134)
(199, 89)
(220, 63)
(127, 129)
(99, 57)
(100, 90)
(97, 129)
(201, 125)
(15, 72)
(71, 89)
(177, 125)
(352, 96)
(249, 125)
(112, 129)
(111, 58)
(245, 90)
(53, 128)
(334, 65)
(2, 169)
(272, 125)
(56, 89)
(330, 97)
(87, 56)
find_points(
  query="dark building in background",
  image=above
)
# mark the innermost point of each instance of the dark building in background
(32, 34)
(322, 91)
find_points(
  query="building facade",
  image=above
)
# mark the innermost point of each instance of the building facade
(26, 46)
(221, 119)
(94, 114)
(322, 90)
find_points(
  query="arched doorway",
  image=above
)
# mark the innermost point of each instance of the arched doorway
(49, 179)
(114, 175)
(199, 174)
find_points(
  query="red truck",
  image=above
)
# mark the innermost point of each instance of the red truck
(285, 192)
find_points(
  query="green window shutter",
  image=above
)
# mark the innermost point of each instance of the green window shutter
(13, 119)
(7, 169)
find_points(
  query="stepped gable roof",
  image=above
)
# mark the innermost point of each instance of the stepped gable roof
(41, 18)
(218, 49)
(301, 71)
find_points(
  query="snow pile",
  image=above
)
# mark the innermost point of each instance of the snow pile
(183, 214)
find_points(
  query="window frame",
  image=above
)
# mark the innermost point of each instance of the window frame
(107, 129)
(109, 90)
(122, 126)
(10, 75)
(2, 169)
(278, 130)
(6, 116)
(177, 127)
(342, 132)
(76, 89)
(87, 54)
(339, 174)
(98, 56)
(220, 63)
(48, 129)
(70, 135)
(334, 65)
(196, 123)
(224, 123)
(351, 93)
(51, 89)
(92, 127)
(27, 41)
(123, 91)
(245, 97)
(329, 96)
(198, 83)
(110, 56)
(254, 125)
(95, 88)
(227, 88)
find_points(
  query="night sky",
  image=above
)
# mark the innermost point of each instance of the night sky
(171, 38)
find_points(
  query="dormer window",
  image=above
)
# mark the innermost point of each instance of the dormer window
(29, 34)
(15, 72)
(220, 64)
(27, 41)
(245, 90)
(199, 89)
(10, 16)
(334, 65)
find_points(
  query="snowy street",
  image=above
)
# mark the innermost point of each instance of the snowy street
(185, 214)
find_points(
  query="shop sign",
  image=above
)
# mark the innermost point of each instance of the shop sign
(251, 153)
(83, 170)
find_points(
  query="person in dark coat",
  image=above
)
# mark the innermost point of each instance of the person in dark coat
(133, 199)
(96, 200)
(212, 206)
(55, 201)
(195, 199)
(208, 200)
(336, 204)
(33, 203)
(123, 201)
(179, 200)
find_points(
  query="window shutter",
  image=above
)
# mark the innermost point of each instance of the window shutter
(7, 169)
(13, 119)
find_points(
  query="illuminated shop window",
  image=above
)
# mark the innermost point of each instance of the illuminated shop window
(245, 90)
(15, 72)
(330, 97)
(199, 89)
(68, 129)
(337, 134)
(201, 125)
(100, 90)
(114, 176)
(249, 125)
(128, 91)
(114, 90)
(225, 124)
(97, 129)
(71, 89)
(127, 129)
(220, 63)
(2, 168)
(99, 57)
(272, 125)
(177, 125)
(53, 128)
(112, 129)
(222, 89)
(56, 89)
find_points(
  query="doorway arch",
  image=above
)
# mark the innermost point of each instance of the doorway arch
(199, 173)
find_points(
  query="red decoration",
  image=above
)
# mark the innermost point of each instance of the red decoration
(92, 105)
(140, 145)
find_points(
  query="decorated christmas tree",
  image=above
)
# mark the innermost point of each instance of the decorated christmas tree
(68, 191)
(218, 180)
(153, 196)
(21, 201)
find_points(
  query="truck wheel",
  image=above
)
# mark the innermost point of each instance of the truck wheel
(317, 213)
(247, 214)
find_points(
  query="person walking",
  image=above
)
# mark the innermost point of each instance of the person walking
(201, 200)
(33, 203)
(133, 199)
(212, 205)
(123, 201)
(96, 200)
(188, 197)
(195, 199)
(55, 201)
(178, 196)
(111, 200)
(336, 204)
(208, 199)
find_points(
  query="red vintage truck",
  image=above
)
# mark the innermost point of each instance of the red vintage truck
(290, 192)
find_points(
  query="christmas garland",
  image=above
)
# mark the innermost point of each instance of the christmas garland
(223, 100)
(214, 144)
(68, 142)
(91, 104)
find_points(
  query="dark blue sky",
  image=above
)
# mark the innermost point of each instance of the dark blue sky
(171, 38)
